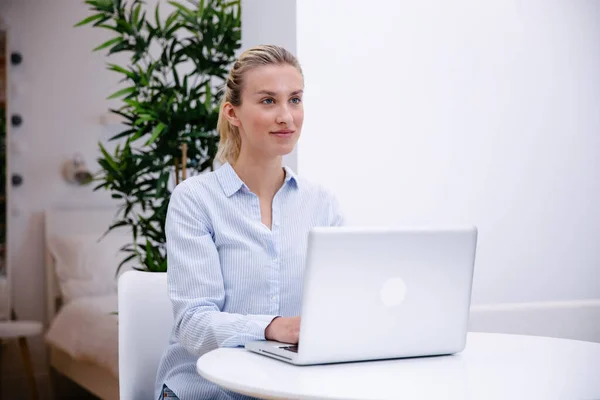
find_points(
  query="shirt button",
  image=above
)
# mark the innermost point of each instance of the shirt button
(274, 298)
(275, 260)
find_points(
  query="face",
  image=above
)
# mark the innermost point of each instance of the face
(271, 114)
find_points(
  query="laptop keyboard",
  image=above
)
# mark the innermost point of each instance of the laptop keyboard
(293, 349)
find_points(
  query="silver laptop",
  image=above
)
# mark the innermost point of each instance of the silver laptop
(381, 293)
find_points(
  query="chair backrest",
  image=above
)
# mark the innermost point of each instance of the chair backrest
(145, 323)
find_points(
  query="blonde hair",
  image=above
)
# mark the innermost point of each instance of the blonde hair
(230, 141)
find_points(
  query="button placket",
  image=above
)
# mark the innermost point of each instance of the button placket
(275, 259)
(273, 295)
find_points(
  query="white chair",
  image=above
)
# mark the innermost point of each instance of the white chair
(145, 323)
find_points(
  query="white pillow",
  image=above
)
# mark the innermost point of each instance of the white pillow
(86, 266)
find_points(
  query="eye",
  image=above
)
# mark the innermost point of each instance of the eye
(296, 100)
(268, 101)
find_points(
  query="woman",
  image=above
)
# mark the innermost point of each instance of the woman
(236, 237)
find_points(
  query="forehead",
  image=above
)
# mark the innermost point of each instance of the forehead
(273, 78)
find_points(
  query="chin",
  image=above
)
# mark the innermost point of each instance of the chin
(286, 150)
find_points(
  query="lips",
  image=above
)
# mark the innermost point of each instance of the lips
(283, 133)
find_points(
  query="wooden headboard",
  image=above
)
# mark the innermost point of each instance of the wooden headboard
(69, 222)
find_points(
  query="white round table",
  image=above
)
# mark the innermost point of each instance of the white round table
(492, 366)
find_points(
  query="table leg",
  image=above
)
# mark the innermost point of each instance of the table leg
(26, 355)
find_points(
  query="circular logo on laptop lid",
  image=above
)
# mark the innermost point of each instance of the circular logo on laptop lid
(393, 292)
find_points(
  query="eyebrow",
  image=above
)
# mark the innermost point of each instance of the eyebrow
(269, 93)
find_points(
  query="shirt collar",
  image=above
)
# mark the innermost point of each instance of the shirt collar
(231, 182)
(290, 176)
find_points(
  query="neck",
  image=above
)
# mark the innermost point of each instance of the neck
(263, 177)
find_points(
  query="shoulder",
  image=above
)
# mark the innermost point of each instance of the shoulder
(191, 195)
(315, 190)
(196, 188)
(323, 200)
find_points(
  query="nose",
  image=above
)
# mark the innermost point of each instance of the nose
(284, 116)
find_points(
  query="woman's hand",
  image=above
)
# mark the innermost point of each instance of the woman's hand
(284, 330)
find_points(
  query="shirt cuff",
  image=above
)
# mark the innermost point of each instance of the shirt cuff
(255, 328)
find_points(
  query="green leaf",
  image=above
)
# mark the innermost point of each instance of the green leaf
(116, 68)
(132, 103)
(170, 32)
(120, 135)
(108, 158)
(183, 9)
(208, 100)
(104, 5)
(121, 92)
(171, 50)
(137, 135)
(231, 3)
(161, 184)
(185, 84)
(128, 117)
(155, 134)
(108, 43)
(176, 77)
(127, 28)
(172, 18)
(141, 24)
(144, 118)
(157, 17)
(200, 11)
(149, 255)
(89, 19)
(136, 15)
(124, 45)
(106, 26)
(118, 224)
(162, 265)
(101, 21)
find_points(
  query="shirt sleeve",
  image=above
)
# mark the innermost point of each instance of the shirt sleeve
(195, 283)
(336, 215)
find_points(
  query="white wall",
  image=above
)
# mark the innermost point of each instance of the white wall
(464, 112)
(60, 90)
(270, 22)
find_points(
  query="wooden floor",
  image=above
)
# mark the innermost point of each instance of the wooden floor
(18, 388)
(15, 386)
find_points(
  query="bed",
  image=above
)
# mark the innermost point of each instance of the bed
(82, 330)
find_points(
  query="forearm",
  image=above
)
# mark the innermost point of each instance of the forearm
(201, 329)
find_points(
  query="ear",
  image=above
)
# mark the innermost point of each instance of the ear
(230, 113)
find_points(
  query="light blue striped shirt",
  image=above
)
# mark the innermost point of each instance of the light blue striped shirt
(229, 275)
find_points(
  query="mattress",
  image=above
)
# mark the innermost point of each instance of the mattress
(87, 330)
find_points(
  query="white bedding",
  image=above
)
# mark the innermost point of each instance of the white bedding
(87, 330)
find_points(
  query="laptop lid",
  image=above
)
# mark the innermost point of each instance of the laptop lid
(385, 293)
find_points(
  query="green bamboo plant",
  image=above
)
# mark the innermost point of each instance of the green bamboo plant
(170, 105)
